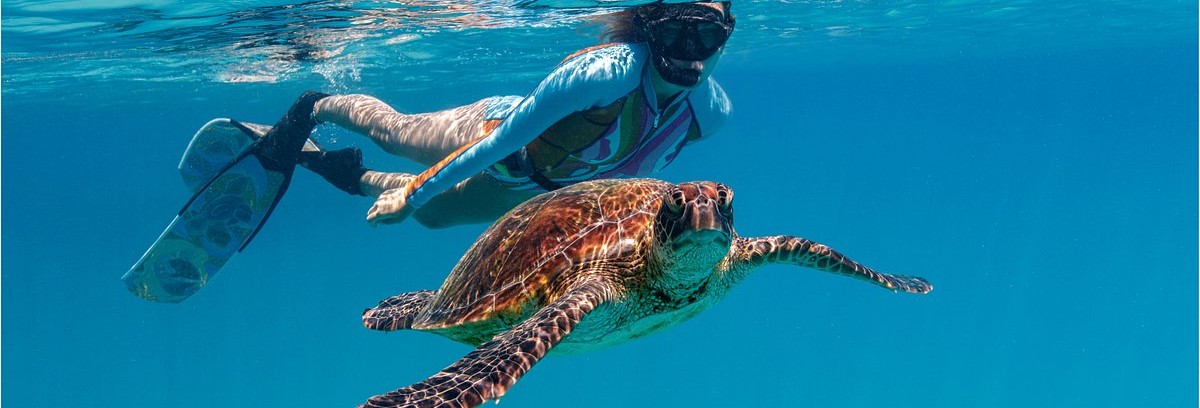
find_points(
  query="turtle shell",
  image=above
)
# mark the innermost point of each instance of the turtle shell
(532, 254)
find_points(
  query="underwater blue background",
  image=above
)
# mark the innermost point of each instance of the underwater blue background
(1048, 190)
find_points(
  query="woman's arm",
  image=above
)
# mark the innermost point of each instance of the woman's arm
(711, 107)
(595, 78)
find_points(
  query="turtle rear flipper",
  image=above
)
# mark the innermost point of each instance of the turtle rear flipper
(491, 369)
(397, 312)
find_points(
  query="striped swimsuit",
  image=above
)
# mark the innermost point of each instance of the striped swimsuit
(594, 117)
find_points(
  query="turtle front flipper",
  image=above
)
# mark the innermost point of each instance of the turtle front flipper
(397, 312)
(491, 369)
(754, 252)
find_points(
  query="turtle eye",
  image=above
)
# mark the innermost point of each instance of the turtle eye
(724, 198)
(676, 201)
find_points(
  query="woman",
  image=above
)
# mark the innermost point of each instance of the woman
(621, 109)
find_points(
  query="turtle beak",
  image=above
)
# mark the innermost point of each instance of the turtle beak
(706, 224)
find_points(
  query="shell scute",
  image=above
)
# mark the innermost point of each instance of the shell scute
(535, 252)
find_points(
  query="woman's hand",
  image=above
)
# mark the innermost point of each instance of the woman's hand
(391, 207)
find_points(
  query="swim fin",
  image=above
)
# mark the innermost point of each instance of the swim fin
(217, 144)
(246, 172)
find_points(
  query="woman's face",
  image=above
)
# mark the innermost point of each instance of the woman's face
(686, 39)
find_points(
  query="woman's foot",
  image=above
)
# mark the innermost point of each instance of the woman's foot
(280, 147)
(342, 168)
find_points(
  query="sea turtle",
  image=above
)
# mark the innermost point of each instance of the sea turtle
(590, 265)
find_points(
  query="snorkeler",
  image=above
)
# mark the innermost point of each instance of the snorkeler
(622, 109)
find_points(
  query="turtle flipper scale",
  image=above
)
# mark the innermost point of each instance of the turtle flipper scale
(493, 367)
(397, 312)
(754, 252)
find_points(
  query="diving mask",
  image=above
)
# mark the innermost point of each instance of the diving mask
(688, 31)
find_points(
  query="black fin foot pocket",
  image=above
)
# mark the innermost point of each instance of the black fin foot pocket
(342, 168)
(281, 146)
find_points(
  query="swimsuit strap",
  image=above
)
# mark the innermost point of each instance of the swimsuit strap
(544, 182)
(520, 164)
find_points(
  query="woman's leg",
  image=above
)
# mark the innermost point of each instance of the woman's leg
(425, 138)
(479, 199)
(374, 183)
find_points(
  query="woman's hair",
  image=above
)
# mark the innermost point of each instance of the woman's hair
(622, 26)
(625, 25)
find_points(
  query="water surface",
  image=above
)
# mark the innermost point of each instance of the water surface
(1035, 160)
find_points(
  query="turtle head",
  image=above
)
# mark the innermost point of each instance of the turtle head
(698, 217)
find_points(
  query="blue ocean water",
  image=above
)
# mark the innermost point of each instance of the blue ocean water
(1036, 162)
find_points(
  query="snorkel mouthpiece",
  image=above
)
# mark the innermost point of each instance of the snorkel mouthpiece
(675, 74)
